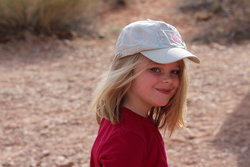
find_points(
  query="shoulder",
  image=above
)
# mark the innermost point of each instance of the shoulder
(135, 123)
(121, 132)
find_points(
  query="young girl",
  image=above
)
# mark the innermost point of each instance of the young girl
(144, 90)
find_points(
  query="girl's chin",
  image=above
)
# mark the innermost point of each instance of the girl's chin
(161, 104)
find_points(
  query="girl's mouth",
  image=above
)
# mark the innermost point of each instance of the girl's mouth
(164, 91)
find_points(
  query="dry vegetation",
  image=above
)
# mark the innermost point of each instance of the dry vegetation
(48, 17)
(219, 20)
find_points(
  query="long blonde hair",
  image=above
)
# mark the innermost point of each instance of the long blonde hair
(108, 97)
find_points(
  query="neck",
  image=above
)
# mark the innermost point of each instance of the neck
(136, 106)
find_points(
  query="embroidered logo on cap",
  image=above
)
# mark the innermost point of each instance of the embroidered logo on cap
(174, 38)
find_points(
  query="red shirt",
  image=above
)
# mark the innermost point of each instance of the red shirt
(134, 142)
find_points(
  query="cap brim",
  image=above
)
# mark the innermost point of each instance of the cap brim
(169, 55)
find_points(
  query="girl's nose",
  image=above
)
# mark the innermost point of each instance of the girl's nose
(167, 78)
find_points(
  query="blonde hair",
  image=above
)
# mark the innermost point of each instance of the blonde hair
(108, 97)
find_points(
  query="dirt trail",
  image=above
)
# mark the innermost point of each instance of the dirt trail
(46, 85)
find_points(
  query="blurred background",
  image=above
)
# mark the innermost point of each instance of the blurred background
(53, 52)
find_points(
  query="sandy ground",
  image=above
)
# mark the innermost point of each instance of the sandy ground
(46, 86)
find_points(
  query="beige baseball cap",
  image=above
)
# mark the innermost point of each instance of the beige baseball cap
(156, 40)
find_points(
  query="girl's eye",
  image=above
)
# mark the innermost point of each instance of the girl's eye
(155, 69)
(176, 72)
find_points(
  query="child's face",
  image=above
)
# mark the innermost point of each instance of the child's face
(156, 85)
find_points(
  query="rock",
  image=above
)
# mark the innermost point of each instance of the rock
(45, 153)
(70, 164)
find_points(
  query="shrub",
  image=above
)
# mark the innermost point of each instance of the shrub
(240, 9)
(43, 16)
(220, 20)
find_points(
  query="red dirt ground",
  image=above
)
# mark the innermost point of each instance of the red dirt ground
(46, 86)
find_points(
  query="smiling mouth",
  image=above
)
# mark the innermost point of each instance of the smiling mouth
(164, 91)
